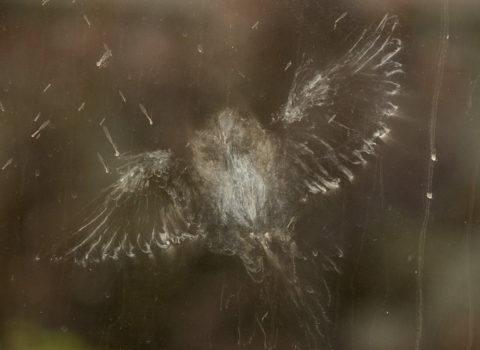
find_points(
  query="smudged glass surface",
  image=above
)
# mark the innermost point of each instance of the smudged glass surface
(290, 174)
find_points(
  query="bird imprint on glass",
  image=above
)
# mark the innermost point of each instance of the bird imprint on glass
(240, 190)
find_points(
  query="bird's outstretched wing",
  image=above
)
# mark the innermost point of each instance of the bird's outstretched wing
(148, 208)
(333, 117)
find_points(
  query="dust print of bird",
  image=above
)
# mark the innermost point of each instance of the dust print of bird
(241, 189)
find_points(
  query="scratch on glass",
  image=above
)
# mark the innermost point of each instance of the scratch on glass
(102, 62)
(468, 236)
(86, 20)
(122, 96)
(468, 255)
(144, 111)
(43, 126)
(103, 162)
(339, 19)
(7, 163)
(264, 334)
(109, 137)
(431, 162)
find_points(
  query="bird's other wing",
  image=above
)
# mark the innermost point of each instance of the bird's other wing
(147, 209)
(332, 118)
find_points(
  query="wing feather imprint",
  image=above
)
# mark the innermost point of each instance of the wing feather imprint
(334, 117)
(148, 208)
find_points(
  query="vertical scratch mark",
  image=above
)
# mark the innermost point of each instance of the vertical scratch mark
(100, 158)
(81, 106)
(238, 317)
(431, 162)
(109, 137)
(328, 292)
(355, 271)
(101, 122)
(1, 106)
(38, 116)
(238, 331)
(122, 96)
(468, 233)
(382, 196)
(362, 245)
(276, 338)
(264, 334)
(468, 254)
(229, 77)
(43, 126)
(288, 65)
(48, 86)
(144, 111)
(7, 163)
(221, 295)
(474, 85)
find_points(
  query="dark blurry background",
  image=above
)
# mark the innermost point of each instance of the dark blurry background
(185, 61)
